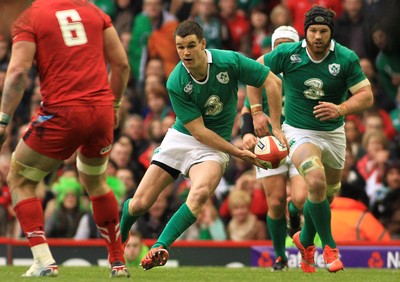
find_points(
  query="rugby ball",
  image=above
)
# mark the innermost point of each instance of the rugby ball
(270, 152)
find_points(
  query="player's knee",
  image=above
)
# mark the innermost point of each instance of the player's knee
(333, 189)
(310, 164)
(198, 197)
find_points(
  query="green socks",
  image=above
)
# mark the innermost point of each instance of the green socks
(178, 223)
(277, 230)
(321, 217)
(126, 222)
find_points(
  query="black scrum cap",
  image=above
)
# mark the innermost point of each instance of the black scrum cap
(319, 15)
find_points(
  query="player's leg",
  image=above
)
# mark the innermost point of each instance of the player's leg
(105, 209)
(331, 253)
(156, 178)
(204, 179)
(28, 168)
(298, 195)
(275, 191)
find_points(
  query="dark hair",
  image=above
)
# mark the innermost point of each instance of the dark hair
(187, 28)
(389, 165)
(319, 15)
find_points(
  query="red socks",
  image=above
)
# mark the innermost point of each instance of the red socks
(106, 217)
(30, 215)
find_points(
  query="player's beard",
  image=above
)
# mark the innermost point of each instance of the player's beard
(320, 49)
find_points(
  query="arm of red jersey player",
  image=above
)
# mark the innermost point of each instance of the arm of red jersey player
(119, 67)
(21, 60)
(213, 140)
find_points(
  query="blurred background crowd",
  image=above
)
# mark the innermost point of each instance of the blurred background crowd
(371, 178)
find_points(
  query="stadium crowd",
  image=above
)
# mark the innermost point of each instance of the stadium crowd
(370, 196)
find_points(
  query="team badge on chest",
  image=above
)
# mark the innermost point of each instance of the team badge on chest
(334, 69)
(223, 77)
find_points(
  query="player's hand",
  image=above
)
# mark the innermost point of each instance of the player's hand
(260, 123)
(3, 136)
(249, 141)
(326, 111)
(250, 157)
(278, 133)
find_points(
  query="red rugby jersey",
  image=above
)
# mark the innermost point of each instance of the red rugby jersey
(69, 39)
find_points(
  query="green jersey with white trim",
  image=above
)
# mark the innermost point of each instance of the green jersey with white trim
(307, 82)
(215, 98)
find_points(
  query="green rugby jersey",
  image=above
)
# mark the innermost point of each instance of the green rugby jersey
(215, 99)
(306, 82)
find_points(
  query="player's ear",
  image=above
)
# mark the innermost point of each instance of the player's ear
(203, 43)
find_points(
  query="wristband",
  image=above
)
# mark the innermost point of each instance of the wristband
(342, 109)
(4, 119)
(117, 103)
(246, 124)
(257, 112)
(255, 105)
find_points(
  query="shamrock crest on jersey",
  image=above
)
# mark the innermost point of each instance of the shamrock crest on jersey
(223, 77)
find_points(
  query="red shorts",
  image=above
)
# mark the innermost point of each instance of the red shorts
(58, 132)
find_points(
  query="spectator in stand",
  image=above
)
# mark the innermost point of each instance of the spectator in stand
(126, 176)
(259, 22)
(64, 221)
(124, 16)
(121, 154)
(299, 7)
(388, 60)
(395, 114)
(4, 54)
(375, 119)
(135, 249)
(253, 187)
(354, 29)
(238, 25)
(158, 105)
(156, 135)
(155, 67)
(381, 99)
(208, 225)
(353, 138)
(370, 167)
(216, 30)
(244, 225)
(182, 9)
(387, 208)
(134, 129)
(152, 36)
(279, 16)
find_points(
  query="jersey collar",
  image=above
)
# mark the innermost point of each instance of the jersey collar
(331, 49)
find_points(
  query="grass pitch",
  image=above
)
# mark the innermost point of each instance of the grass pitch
(219, 274)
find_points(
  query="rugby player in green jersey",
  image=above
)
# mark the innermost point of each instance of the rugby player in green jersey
(318, 75)
(203, 91)
(275, 181)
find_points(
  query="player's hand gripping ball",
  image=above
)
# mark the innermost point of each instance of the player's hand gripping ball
(270, 152)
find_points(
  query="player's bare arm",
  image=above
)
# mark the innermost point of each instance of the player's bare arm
(361, 100)
(119, 67)
(16, 79)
